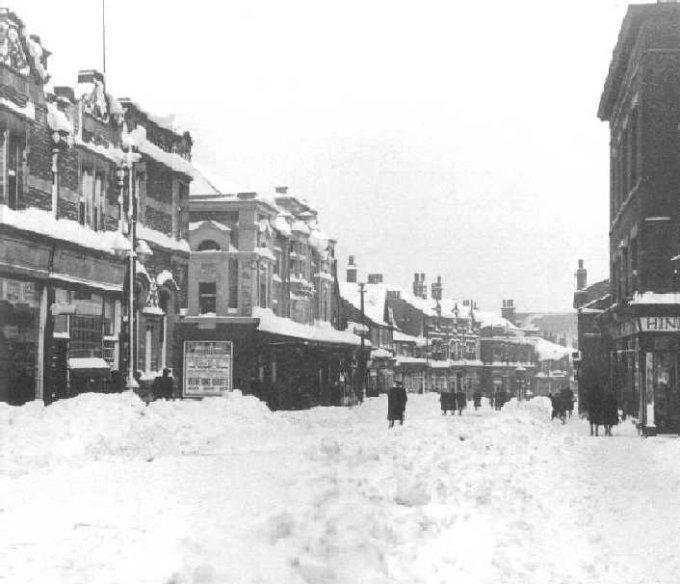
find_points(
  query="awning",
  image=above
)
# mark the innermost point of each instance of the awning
(88, 366)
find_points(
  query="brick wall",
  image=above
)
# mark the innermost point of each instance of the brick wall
(158, 220)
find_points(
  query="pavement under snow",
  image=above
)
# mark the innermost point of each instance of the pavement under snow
(101, 489)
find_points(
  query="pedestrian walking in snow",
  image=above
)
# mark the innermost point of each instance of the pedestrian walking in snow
(558, 408)
(594, 408)
(447, 401)
(396, 403)
(477, 399)
(567, 397)
(163, 386)
(461, 402)
(610, 412)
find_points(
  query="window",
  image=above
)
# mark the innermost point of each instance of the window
(208, 245)
(207, 297)
(233, 283)
(92, 198)
(262, 276)
(11, 168)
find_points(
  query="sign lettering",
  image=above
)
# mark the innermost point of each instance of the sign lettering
(207, 368)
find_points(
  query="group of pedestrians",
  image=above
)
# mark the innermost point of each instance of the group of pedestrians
(450, 401)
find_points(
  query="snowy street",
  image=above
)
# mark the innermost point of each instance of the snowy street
(102, 489)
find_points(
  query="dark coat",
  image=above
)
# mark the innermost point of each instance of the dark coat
(396, 403)
(594, 403)
(163, 388)
(610, 409)
(447, 400)
(461, 400)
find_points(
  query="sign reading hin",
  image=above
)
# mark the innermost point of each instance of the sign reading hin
(207, 368)
(666, 324)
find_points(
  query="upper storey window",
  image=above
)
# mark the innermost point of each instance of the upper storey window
(11, 52)
(12, 148)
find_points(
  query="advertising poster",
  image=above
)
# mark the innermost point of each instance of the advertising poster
(207, 368)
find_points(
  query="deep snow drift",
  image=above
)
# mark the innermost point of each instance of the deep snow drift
(104, 489)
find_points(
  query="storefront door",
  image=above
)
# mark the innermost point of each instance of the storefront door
(666, 395)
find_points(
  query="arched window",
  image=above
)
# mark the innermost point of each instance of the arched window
(208, 245)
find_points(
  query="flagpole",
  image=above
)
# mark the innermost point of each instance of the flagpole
(104, 37)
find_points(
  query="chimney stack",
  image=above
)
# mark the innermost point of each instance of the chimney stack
(419, 286)
(437, 289)
(508, 310)
(581, 277)
(351, 270)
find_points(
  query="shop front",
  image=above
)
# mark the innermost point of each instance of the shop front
(59, 317)
(644, 359)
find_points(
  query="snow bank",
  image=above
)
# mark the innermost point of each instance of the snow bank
(93, 425)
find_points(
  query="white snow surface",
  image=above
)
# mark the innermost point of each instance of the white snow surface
(103, 489)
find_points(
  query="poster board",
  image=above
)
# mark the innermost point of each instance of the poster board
(208, 368)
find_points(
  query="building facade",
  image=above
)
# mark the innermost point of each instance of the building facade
(641, 327)
(263, 276)
(69, 174)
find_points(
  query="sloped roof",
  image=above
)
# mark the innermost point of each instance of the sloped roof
(374, 299)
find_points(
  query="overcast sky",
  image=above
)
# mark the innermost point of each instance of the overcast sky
(456, 138)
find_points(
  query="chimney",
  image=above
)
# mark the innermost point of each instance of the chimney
(375, 278)
(581, 276)
(508, 310)
(437, 289)
(281, 190)
(351, 270)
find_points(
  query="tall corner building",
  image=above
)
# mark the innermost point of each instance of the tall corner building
(641, 326)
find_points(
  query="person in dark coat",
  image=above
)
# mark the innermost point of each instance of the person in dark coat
(558, 408)
(447, 402)
(594, 409)
(567, 397)
(610, 412)
(461, 402)
(396, 403)
(163, 386)
(477, 399)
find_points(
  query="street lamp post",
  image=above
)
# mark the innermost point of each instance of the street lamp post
(132, 249)
(362, 358)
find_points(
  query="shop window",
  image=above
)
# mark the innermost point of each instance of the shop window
(19, 322)
(12, 149)
(207, 297)
(86, 325)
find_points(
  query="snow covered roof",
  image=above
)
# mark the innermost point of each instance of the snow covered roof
(549, 351)
(429, 306)
(321, 331)
(281, 225)
(45, 223)
(206, 182)
(401, 337)
(491, 319)
(161, 239)
(374, 299)
(656, 298)
(193, 225)
(57, 120)
(137, 138)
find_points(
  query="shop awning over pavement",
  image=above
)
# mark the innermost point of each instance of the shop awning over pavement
(319, 332)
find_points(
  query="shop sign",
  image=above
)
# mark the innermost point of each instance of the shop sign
(662, 324)
(207, 368)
